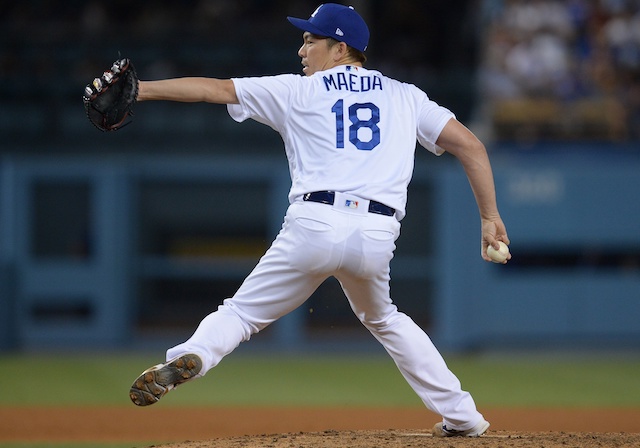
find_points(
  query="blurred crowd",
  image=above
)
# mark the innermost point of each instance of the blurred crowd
(546, 69)
(40, 38)
(50, 49)
(565, 69)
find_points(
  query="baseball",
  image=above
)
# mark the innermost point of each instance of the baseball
(498, 256)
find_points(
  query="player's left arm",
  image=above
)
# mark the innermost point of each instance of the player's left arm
(459, 141)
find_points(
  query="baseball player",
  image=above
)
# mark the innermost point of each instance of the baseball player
(349, 135)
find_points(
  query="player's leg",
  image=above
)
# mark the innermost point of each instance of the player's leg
(365, 281)
(413, 352)
(297, 262)
(272, 290)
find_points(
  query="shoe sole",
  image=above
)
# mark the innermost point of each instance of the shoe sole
(155, 382)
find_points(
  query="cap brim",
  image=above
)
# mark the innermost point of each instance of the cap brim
(305, 25)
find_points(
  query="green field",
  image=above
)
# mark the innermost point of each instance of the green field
(318, 380)
(324, 380)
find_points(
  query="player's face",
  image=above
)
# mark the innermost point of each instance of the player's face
(315, 53)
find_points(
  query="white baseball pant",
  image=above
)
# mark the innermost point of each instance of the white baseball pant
(318, 241)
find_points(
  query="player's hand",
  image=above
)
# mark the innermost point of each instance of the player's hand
(493, 230)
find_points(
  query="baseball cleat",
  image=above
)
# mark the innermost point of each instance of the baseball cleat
(156, 381)
(441, 430)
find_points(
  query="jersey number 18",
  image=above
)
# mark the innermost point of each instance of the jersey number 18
(356, 124)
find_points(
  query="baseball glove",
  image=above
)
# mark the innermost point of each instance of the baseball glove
(109, 100)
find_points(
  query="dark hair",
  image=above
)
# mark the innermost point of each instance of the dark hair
(356, 54)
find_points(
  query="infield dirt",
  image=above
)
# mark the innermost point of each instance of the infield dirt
(182, 427)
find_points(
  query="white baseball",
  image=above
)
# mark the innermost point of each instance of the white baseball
(500, 255)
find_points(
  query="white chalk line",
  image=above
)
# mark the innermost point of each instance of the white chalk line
(484, 436)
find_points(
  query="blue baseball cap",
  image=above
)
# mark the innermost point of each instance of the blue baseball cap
(339, 22)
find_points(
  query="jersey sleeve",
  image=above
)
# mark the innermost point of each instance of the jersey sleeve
(432, 118)
(265, 99)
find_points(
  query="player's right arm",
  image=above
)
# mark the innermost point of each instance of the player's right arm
(459, 141)
(189, 90)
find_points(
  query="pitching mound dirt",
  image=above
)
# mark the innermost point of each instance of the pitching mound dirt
(418, 438)
(187, 427)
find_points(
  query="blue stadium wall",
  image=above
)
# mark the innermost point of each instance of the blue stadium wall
(573, 218)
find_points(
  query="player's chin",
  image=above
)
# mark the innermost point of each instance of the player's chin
(307, 70)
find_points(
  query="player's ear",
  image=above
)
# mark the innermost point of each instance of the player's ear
(340, 50)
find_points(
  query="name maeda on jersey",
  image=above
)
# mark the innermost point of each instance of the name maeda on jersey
(352, 82)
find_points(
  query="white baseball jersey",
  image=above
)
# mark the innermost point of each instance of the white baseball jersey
(347, 129)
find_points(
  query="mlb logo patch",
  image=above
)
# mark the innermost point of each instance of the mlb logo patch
(351, 204)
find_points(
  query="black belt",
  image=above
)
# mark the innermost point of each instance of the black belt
(328, 197)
